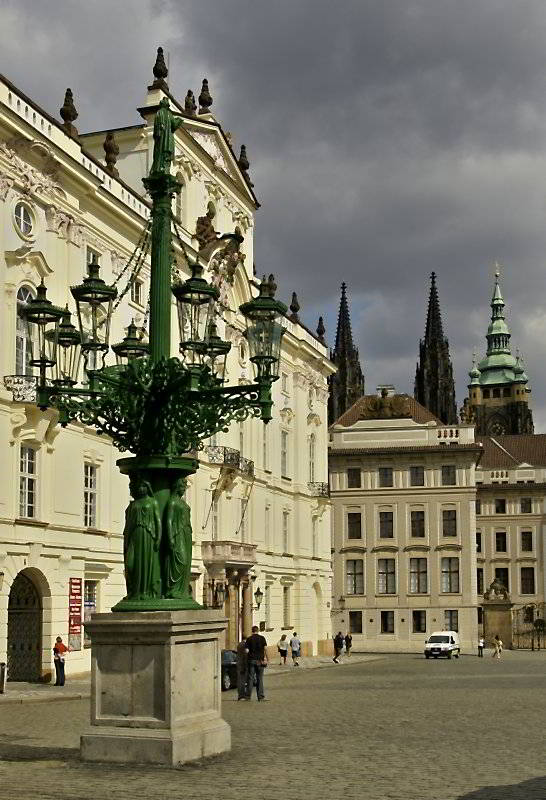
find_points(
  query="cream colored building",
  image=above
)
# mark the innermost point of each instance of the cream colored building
(403, 492)
(510, 519)
(260, 509)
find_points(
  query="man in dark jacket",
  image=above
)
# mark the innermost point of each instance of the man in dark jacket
(338, 646)
(242, 669)
(257, 659)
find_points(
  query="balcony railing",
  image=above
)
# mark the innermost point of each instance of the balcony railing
(319, 489)
(229, 457)
(22, 387)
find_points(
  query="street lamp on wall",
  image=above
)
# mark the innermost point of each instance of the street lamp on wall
(258, 597)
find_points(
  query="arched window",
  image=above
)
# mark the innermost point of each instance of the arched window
(23, 335)
(312, 458)
(23, 219)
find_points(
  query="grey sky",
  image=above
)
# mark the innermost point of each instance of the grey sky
(387, 139)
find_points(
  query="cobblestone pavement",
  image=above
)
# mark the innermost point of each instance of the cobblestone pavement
(80, 686)
(396, 728)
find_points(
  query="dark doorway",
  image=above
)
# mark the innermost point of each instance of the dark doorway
(24, 631)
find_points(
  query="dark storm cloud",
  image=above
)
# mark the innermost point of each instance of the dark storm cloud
(386, 139)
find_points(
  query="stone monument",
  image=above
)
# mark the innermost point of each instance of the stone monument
(497, 614)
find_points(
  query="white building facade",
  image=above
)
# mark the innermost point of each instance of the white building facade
(260, 507)
(403, 492)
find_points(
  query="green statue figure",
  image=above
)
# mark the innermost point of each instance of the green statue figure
(141, 540)
(178, 543)
(165, 124)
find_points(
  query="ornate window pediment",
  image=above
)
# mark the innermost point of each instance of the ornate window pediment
(32, 263)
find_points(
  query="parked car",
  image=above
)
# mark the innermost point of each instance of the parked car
(229, 669)
(443, 643)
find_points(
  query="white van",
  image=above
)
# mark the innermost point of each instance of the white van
(443, 643)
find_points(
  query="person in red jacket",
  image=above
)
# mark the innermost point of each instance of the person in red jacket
(59, 654)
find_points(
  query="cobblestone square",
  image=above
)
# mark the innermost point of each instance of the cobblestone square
(398, 727)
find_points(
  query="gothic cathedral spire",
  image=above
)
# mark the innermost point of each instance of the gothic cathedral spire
(434, 384)
(347, 385)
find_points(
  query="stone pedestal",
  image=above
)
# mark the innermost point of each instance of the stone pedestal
(497, 619)
(155, 687)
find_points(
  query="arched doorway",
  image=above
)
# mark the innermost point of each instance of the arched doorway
(24, 630)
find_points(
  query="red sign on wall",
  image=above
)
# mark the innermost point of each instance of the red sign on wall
(75, 613)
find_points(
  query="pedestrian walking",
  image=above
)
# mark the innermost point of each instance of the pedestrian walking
(242, 670)
(497, 644)
(481, 644)
(295, 647)
(282, 647)
(257, 660)
(338, 646)
(348, 643)
(59, 654)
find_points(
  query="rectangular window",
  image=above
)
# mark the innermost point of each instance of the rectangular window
(285, 535)
(215, 519)
(284, 453)
(386, 576)
(502, 575)
(286, 606)
(478, 542)
(449, 522)
(137, 292)
(450, 574)
(418, 576)
(417, 476)
(479, 575)
(89, 605)
(267, 528)
(353, 478)
(478, 506)
(500, 506)
(315, 535)
(284, 382)
(354, 525)
(451, 620)
(355, 621)
(92, 257)
(418, 524)
(419, 619)
(267, 606)
(500, 541)
(527, 541)
(449, 475)
(526, 504)
(387, 622)
(386, 524)
(27, 483)
(89, 496)
(242, 518)
(355, 576)
(385, 476)
(480, 615)
(265, 453)
(527, 580)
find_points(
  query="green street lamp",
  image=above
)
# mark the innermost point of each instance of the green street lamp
(130, 347)
(158, 408)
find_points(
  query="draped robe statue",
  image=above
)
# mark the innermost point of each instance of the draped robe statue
(178, 543)
(165, 123)
(141, 540)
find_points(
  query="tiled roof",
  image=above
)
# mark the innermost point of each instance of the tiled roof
(422, 448)
(508, 452)
(418, 413)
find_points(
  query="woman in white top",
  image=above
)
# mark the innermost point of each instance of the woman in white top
(282, 647)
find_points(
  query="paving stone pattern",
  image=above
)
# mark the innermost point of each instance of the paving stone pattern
(396, 728)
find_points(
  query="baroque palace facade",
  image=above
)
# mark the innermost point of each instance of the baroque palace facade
(260, 507)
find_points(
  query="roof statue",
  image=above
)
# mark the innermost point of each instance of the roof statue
(190, 106)
(347, 385)
(165, 124)
(205, 100)
(434, 382)
(111, 153)
(160, 71)
(69, 114)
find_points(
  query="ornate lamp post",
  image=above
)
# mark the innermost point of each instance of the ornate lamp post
(157, 407)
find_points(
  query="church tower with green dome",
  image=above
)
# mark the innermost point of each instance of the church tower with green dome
(498, 392)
